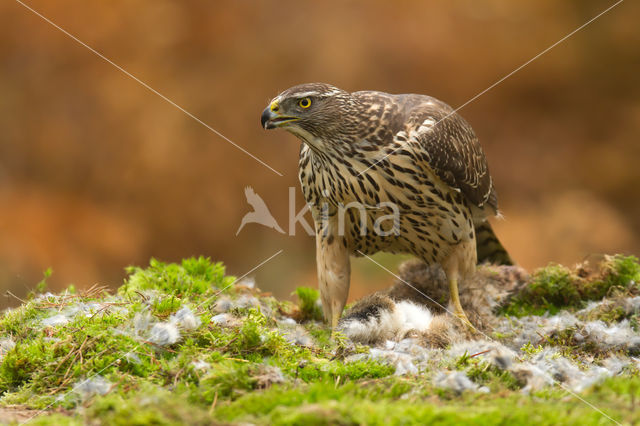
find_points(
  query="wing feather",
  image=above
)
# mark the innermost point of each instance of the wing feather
(452, 150)
(440, 137)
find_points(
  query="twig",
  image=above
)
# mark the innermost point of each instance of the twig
(213, 404)
(11, 294)
(237, 359)
(70, 365)
(545, 338)
(175, 379)
(480, 353)
(70, 353)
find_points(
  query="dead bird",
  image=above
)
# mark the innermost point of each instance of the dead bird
(416, 305)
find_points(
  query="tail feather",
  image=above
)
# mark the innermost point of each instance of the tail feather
(489, 248)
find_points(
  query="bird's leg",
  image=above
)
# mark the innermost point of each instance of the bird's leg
(334, 269)
(463, 257)
(455, 301)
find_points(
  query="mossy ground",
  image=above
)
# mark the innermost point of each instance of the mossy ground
(94, 357)
(556, 287)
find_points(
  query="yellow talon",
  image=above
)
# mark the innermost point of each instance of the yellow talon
(335, 318)
(457, 307)
(463, 318)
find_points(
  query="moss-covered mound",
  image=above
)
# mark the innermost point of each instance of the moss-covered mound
(556, 287)
(186, 344)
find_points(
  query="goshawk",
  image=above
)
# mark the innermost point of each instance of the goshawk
(394, 173)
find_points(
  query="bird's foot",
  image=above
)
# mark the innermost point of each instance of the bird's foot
(335, 318)
(459, 313)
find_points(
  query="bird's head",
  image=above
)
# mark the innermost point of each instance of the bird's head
(312, 111)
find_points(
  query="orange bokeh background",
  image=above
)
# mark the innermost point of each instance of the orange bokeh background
(97, 172)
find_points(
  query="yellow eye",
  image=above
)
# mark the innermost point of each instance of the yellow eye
(304, 103)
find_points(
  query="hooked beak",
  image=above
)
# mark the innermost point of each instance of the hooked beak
(270, 118)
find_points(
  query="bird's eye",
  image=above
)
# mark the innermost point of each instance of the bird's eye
(304, 103)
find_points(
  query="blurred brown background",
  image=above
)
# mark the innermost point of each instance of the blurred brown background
(97, 172)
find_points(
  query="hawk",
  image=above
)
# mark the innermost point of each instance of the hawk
(409, 156)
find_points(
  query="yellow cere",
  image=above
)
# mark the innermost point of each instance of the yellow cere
(274, 106)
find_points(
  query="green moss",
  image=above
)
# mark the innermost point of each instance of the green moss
(332, 370)
(280, 399)
(549, 289)
(308, 303)
(166, 305)
(486, 374)
(41, 287)
(555, 286)
(608, 312)
(530, 350)
(195, 276)
(227, 381)
(150, 405)
(394, 402)
(17, 322)
(322, 335)
(624, 271)
(247, 370)
(55, 420)
(59, 358)
(618, 273)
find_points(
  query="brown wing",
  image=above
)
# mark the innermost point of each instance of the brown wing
(451, 149)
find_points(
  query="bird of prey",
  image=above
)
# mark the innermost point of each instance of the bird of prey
(260, 213)
(412, 152)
